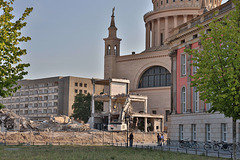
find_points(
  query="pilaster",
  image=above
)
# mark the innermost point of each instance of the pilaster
(166, 27)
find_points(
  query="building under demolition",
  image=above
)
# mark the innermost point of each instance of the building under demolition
(122, 109)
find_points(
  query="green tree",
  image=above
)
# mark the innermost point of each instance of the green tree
(82, 107)
(2, 106)
(11, 68)
(218, 74)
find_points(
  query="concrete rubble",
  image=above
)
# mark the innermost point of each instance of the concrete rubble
(9, 121)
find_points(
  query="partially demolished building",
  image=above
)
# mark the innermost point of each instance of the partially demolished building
(122, 109)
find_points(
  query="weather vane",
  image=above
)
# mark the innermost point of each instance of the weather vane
(113, 11)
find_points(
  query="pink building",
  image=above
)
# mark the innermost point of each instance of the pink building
(189, 118)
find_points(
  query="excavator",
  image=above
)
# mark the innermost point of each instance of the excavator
(120, 124)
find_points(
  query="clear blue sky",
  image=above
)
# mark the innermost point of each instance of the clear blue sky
(67, 35)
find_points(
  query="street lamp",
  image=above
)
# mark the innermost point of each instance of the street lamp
(127, 119)
(112, 134)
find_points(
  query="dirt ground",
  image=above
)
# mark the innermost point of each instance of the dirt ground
(90, 137)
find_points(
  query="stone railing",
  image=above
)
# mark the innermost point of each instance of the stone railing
(225, 8)
(204, 18)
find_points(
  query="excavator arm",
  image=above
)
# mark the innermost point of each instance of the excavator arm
(125, 107)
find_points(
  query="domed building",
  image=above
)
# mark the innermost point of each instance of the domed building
(150, 71)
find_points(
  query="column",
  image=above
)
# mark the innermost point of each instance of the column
(145, 106)
(154, 126)
(158, 33)
(109, 110)
(207, 3)
(166, 27)
(93, 105)
(213, 3)
(184, 18)
(147, 35)
(110, 104)
(174, 21)
(153, 34)
(145, 124)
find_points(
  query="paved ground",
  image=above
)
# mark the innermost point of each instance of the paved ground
(212, 153)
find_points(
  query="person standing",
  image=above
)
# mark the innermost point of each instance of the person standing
(158, 139)
(162, 139)
(131, 139)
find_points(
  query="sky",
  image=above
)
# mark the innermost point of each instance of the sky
(67, 35)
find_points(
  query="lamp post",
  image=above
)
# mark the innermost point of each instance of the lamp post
(127, 118)
(112, 134)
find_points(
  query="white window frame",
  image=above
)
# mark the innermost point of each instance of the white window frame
(195, 68)
(208, 132)
(183, 64)
(208, 106)
(224, 132)
(195, 100)
(194, 132)
(183, 100)
(180, 131)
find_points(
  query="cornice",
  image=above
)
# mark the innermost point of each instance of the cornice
(141, 58)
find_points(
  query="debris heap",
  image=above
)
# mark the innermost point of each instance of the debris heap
(12, 122)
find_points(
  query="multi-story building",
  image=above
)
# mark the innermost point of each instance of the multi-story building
(39, 99)
(189, 118)
(149, 72)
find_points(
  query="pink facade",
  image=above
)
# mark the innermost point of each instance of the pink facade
(182, 81)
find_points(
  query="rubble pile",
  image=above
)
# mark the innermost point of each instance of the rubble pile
(12, 122)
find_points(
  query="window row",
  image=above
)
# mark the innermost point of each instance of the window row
(33, 92)
(80, 84)
(184, 65)
(29, 112)
(29, 99)
(195, 100)
(109, 50)
(160, 2)
(50, 84)
(31, 105)
(208, 132)
(80, 91)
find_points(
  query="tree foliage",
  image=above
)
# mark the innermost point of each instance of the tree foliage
(218, 74)
(11, 68)
(82, 107)
(2, 106)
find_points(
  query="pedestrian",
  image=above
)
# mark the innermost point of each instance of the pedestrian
(131, 139)
(158, 139)
(162, 139)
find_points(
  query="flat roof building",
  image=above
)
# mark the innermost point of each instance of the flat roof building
(40, 99)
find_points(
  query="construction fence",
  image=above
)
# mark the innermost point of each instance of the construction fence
(74, 138)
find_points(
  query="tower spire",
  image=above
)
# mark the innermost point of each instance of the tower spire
(112, 29)
(112, 43)
(112, 20)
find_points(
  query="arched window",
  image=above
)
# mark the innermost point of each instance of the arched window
(115, 50)
(183, 100)
(155, 77)
(109, 50)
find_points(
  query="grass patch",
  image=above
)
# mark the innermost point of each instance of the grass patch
(91, 153)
